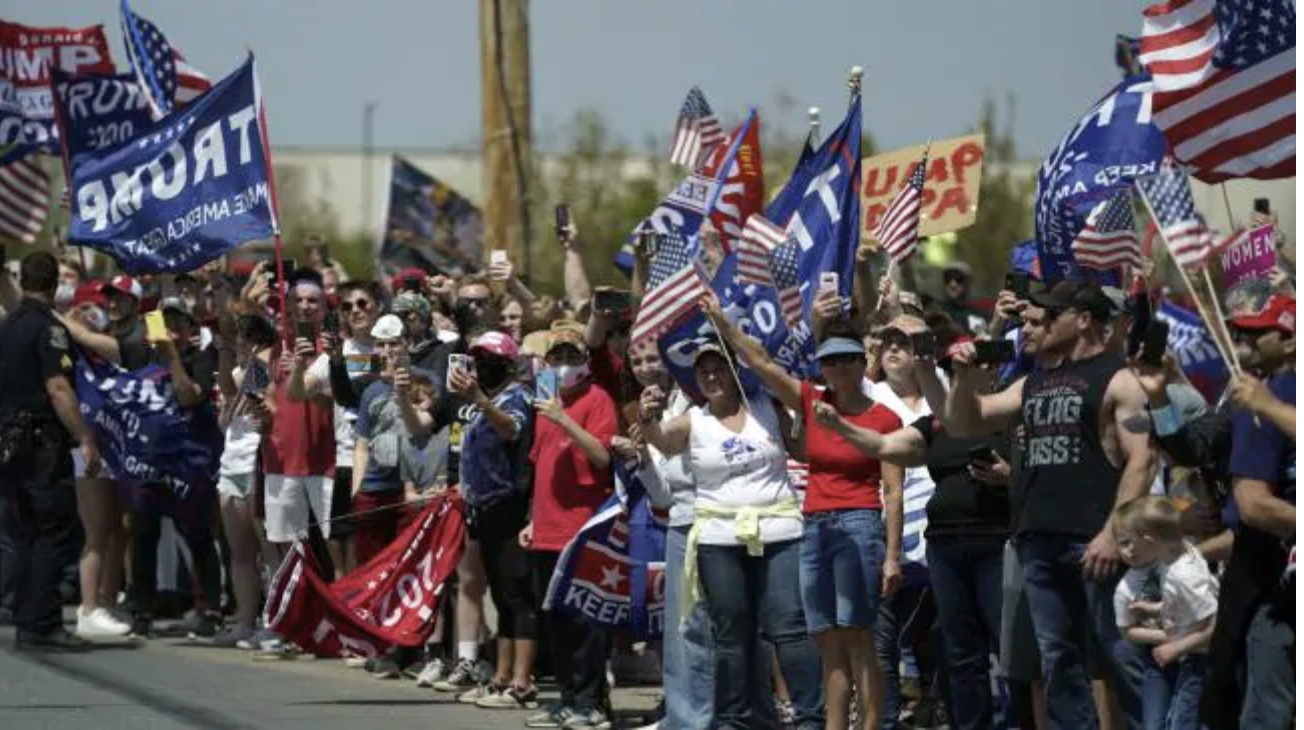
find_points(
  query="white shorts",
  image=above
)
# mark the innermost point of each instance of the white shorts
(236, 486)
(290, 502)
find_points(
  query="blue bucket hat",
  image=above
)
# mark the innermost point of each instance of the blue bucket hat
(839, 346)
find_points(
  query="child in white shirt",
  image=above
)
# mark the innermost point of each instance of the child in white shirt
(1167, 600)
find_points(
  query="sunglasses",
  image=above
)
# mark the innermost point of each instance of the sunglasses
(362, 305)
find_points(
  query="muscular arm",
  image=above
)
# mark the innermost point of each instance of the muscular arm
(64, 400)
(1261, 509)
(1126, 401)
(969, 414)
(903, 447)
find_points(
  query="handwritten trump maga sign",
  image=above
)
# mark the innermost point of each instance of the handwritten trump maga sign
(950, 199)
(183, 191)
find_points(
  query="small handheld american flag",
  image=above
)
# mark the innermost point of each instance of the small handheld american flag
(760, 238)
(1109, 239)
(676, 282)
(1168, 194)
(164, 76)
(784, 263)
(898, 231)
(697, 131)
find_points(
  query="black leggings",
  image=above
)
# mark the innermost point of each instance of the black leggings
(145, 532)
(579, 649)
(508, 568)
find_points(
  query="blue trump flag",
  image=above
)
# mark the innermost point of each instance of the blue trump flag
(164, 457)
(100, 110)
(1113, 144)
(1193, 346)
(184, 190)
(613, 572)
(820, 208)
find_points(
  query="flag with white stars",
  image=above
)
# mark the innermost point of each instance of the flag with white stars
(898, 231)
(675, 285)
(1109, 239)
(1224, 71)
(1168, 193)
(609, 572)
(784, 267)
(166, 79)
(697, 131)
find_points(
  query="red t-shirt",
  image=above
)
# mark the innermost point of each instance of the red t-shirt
(842, 476)
(302, 438)
(567, 488)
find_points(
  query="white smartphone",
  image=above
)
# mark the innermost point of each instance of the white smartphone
(497, 257)
(456, 361)
(828, 281)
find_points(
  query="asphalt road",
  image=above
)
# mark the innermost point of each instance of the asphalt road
(170, 684)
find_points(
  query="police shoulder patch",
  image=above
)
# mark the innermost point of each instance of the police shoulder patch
(58, 337)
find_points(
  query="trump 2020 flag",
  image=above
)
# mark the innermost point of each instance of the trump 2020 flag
(100, 110)
(613, 572)
(184, 190)
(820, 209)
(1115, 142)
(164, 457)
(1193, 346)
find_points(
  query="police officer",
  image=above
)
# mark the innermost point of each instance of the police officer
(40, 422)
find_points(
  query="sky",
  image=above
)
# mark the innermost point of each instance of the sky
(928, 64)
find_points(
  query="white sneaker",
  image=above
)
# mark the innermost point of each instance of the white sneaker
(433, 672)
(99, 623)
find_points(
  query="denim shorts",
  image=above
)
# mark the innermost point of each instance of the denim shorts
(842, 554)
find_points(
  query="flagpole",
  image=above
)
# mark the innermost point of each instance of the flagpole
(275, 202)
(728, 358)
(923, 160)
(813, 122)
(1216, 326)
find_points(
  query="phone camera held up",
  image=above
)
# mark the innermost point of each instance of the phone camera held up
(562, 217)
(1020, 284)
(993, 352)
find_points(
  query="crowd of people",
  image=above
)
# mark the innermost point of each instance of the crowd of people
(933, 527)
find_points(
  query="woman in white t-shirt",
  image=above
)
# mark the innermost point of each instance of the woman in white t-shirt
(745, 542)
(243, 375)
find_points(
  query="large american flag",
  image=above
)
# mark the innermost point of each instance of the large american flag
(675, 283)
(1109, 239)
(165, 77)
(898, 231)
(697, 131)
(785, 262)
(1224, 73)
(1168, 193)
(24, 198)
(760, 238)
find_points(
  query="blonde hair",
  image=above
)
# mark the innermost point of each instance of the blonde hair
(1152, 516)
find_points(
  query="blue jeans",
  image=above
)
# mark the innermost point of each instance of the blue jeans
(1064, 605)
(1269, 672)
(842, 555)
(966, 580)
(686, 653)
(747, 596)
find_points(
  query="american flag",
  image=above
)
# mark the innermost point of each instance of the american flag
(785, 261)
(24, 198)
(675, 284)
(1168, 194)
(1109, 239)
(898, 231)
(760, 238)
(697, 131)
(164, 76)
(1224, 73)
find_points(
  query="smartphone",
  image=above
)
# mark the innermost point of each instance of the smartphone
(1155, 344)
(982, 454)
(924, 343)
(1261, 205)
(256, 379)
(1019, 283)
(993, 352)
(828, 281)
(456, 362)
(155, 326)
(403, 360)
(546, 384)
(4, 255)
(612, 300)
(497, 257)
(305, 330)
(413, 284)
(562, 217)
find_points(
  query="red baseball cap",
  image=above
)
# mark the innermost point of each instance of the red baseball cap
(405, 275)
(499, 344)
(123, 284)
(90, 292)
(1277, 314)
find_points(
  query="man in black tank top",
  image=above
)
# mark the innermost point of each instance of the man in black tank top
(1079, 464)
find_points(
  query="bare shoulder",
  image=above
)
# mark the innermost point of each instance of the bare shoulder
(1125, 391)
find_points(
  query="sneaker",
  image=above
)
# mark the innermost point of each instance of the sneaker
(433, 672)
(555, 716)
(386, 668)
(232, 638)
(58, 640)
(462, 678)
(263, 638)
(356, 662)
(592, 720)
(785, 712)
(511, 698)
(99, 623)
(475, 695)
(142, 625)
(197, 625)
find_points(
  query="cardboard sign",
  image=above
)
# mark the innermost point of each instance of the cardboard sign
(1252, 256)
(950, 202)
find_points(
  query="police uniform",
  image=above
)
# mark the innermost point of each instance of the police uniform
(36, 478)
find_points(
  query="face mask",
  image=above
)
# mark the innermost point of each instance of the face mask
(64, 294)
(569, 376)
(492, 374)
(95, 318)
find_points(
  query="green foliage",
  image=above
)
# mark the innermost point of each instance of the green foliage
(302, 217)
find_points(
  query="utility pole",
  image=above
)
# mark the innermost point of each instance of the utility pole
(506, 142)
(368, 148)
